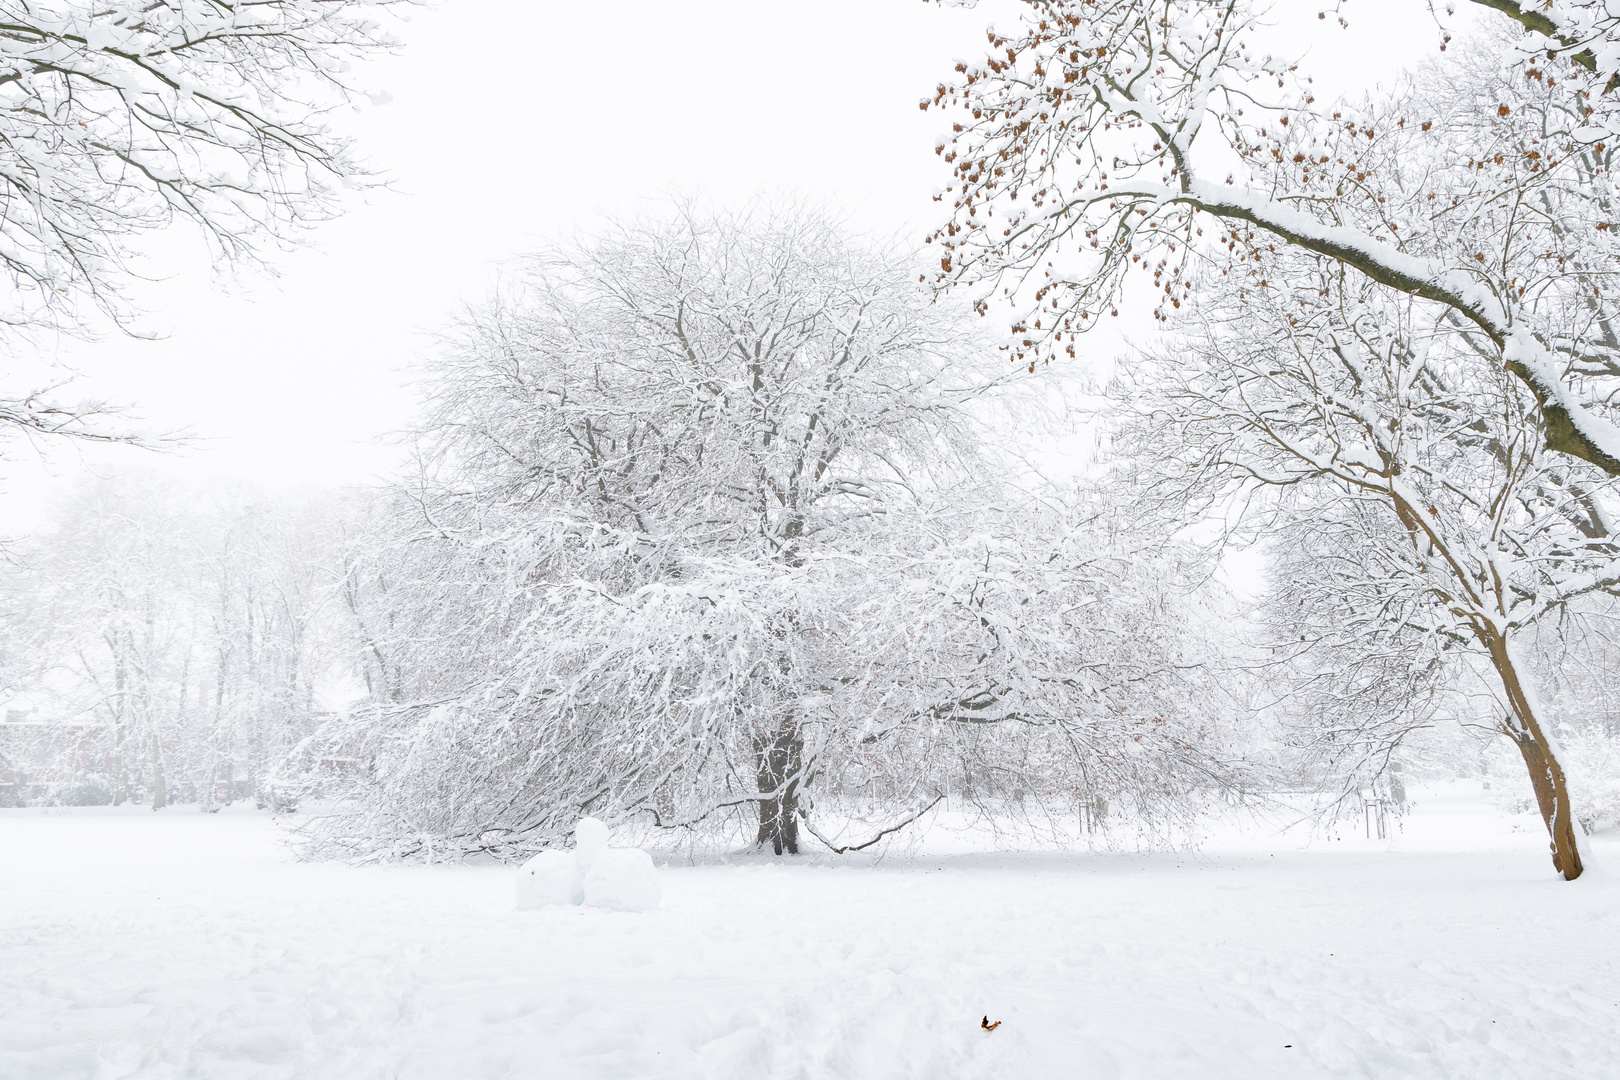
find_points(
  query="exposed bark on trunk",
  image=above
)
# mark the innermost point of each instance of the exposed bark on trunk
(779, 760)
(1522, 725)
(1546, 774)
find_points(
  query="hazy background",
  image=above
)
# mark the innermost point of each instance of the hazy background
(512, 122)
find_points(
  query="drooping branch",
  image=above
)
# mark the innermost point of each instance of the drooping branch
(840, 849)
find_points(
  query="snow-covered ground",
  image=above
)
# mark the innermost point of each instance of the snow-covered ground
(184, 944)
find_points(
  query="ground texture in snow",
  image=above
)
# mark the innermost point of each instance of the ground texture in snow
(184, 944)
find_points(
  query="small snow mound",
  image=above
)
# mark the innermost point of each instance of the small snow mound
(623, 879)
(551, 877)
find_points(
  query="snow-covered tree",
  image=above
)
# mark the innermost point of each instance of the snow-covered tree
(121, 118)
(704, 527)
(1583, 34)
(1575, 656)
(1104, 137)
(182, 631)
(1422, 511)
(1350, 679)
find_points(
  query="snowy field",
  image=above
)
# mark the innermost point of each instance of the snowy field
(191, 945)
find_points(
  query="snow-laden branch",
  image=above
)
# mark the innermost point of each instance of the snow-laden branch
(1102, 140)
(116, 119)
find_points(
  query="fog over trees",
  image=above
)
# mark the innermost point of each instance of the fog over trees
(176, 636)
(721, 522)
(961, 540)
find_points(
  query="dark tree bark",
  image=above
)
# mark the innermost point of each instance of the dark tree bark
(779, 758)
(1546, 774)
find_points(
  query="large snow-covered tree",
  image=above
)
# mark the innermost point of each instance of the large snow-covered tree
(1024, 656)
(704, 526)
(1411, 469)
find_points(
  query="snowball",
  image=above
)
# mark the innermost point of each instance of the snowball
(551, 877)
(590, 840)
(623, 879)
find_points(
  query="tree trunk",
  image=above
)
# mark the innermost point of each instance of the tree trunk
(120, 679)
(779, 761)
(120, 774)
(1546, 774)
(160, 789)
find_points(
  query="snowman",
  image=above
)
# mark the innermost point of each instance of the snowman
(593, 874)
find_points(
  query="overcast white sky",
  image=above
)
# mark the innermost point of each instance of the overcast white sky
(515, 121)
